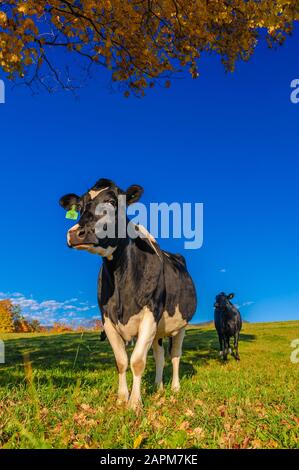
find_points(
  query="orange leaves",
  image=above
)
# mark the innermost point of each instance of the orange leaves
(199, 433)
(189, 412)
(184, 426)
(138, 41)
(3, 18)
(222, 409)
(59, 327)
(6, 316)
(85, 416)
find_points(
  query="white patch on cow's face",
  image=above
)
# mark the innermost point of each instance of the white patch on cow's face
(171, 325)
(74, 228)
(95, 250)
(93, 193)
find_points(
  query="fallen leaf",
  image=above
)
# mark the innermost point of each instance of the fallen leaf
(245, 443)
(138, 441)
(273, 444)
(199, 432)
(256, 444)
(222, 410)
(184, 425)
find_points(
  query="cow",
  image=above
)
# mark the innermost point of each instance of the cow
(228, 323)
(143, 292)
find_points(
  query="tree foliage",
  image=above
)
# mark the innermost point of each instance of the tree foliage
(60, 327)
(13, 321)
(6, 316)
(22, 324)
(138, 40)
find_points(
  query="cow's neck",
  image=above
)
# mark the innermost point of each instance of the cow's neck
(119, 256)
(129, 253)
(229, 314)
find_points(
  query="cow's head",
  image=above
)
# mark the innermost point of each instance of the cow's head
(223, 301)
(98, 205)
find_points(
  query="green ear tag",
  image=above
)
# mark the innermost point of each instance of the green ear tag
(72, 214)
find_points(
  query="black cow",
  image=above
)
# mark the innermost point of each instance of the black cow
(228, 323)
(143, 292)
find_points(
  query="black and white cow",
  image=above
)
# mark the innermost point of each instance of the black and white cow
(228, 323)
(143, 291)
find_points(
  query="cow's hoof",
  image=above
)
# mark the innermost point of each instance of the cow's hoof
(176, 388)
(237, 358)
(122, 400)
(159, 387)
(135, 405)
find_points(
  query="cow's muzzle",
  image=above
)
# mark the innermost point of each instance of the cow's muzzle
(77, 237)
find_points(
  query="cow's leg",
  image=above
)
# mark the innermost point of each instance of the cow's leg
(229, 348)
(158, 349)
(146, 334)
(221, 344)
(176, 352)
(121, 358)
(236, 345)
(225, 348)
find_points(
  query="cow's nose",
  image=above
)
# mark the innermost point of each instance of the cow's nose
(81, 233)
(76, 235)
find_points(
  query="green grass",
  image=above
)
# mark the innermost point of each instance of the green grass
(51, 399)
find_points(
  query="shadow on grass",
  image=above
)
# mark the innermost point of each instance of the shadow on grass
(203, 345)
(63, 358)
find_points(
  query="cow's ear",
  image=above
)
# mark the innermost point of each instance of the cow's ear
(231, 296)
(134, 193)
(69, 200)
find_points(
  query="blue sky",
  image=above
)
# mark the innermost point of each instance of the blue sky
(229, 141)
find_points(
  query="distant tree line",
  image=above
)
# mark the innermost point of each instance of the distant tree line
(13, 321)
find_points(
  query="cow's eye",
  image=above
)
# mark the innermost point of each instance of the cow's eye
(111, 201)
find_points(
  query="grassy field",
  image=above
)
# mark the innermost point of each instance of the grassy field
(59, 391)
